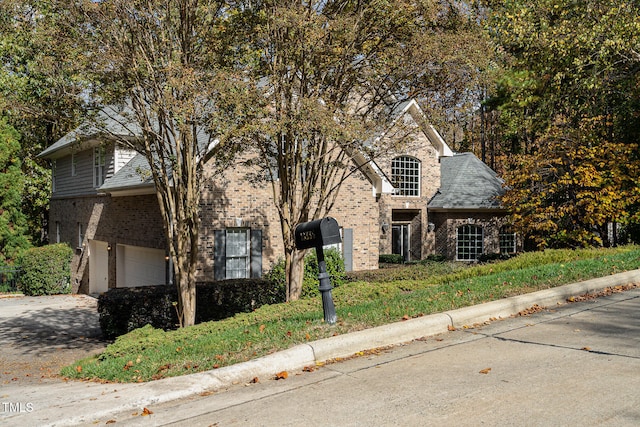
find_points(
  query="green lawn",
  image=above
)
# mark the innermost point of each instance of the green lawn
(371, 299)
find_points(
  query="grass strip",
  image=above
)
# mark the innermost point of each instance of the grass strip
(147, 354)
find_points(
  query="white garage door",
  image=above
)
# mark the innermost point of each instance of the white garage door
(138, 266)
(98, 267)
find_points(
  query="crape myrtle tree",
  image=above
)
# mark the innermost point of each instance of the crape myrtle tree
(159, 58)
(569, 110)
(327, 75)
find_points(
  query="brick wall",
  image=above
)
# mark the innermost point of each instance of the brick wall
(231, 200)
(447, 224)
(133, 220)
(411, 210)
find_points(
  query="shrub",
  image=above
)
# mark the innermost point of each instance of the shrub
(335, 269)
(46, 270)
(390, 259)
(485, 258)
(122, 310)
(436, 258)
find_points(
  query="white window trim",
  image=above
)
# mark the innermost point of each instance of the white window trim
(80, 236)
(247, 257)
(99, 166)
(53, 176)
(458, 240)
(74, 164)
(512, 235)
(419, 183)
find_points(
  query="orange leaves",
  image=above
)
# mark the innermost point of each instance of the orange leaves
(485, 371)
(282, 375)
(262, 328)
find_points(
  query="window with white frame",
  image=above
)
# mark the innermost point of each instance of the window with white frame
(405, 174)
(53, 175)
(99, 154)
(507, 240)
(74, 164)
(80, 235)
(469, 242)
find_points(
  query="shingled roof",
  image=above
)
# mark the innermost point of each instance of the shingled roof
(134, 176)
(467, 183)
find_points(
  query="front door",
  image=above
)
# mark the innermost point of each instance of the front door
(400, 240)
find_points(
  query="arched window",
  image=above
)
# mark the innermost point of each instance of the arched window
(507, 240)
(469, 242)
(405, 174)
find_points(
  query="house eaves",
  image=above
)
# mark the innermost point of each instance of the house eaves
(110, 122)
(132, 179)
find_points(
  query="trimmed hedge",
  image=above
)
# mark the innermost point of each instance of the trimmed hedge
(122, 310)
(390, 259)
(46, 270)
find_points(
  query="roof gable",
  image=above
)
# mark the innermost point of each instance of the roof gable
(133, 178)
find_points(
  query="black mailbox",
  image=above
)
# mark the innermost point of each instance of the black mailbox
(318, 233)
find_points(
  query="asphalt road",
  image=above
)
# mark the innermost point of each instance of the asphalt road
(572, 365)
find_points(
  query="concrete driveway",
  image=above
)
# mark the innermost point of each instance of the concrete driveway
(40, 335)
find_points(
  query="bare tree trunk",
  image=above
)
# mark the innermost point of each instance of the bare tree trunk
(186, 297)
(294, 265)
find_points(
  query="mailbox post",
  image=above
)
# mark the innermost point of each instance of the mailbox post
(316, 234)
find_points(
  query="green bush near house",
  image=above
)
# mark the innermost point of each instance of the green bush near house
(335, 269)
(46, 270)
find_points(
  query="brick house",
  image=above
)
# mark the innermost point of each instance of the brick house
(108, 211)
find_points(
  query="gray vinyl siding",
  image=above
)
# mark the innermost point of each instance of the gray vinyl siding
(82, 183)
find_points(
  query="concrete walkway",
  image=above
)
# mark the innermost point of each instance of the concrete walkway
(82, 403)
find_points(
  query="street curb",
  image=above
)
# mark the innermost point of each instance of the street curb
(101, 405)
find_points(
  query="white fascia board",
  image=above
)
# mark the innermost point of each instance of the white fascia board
(432, 134)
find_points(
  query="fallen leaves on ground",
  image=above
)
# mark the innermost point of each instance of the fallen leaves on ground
(535, 308)
(485, 370)
(282, 375)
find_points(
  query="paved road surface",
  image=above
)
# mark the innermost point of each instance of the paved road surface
(575, 365)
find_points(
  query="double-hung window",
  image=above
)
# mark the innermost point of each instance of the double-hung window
(99, 162)
(405, 174)
(54, 172)
(74, 164)
(237, 253)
